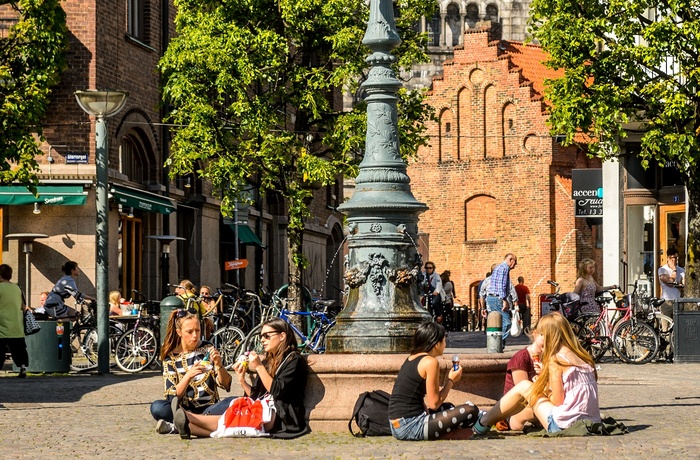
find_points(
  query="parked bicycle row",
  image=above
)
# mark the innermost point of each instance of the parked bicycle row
(230, 318)
(630, 326)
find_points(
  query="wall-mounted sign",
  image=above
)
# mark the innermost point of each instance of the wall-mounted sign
(587, 192)
(77, 158)
(235, 264)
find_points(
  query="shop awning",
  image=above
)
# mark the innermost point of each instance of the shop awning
(69, 195)
(139, 199)
(246, 235)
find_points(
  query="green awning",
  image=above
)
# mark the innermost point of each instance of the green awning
(246, 235)
(139, 199)
(70, 195)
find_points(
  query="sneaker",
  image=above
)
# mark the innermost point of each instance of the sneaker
(478, 428)
(165, 427)
(22, 373)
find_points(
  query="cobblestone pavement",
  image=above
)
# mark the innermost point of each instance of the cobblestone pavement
(90, 416)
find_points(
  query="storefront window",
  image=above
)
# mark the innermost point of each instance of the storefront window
(640, 245)
(637, 176)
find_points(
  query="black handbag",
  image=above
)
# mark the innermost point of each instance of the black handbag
(31, 325)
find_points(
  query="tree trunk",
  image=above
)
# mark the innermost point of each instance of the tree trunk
(692, 283)
(294, 291)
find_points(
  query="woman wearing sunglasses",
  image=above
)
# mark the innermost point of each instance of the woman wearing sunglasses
(281, 374)
(189, 378)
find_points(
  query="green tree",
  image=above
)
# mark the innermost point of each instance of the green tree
(629, 63)
(31, 58)
(252, 84)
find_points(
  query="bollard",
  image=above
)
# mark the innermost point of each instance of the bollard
(494, 334)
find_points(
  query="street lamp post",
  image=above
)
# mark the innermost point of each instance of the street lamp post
(101, 105)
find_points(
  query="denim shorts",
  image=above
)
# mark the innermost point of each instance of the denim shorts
(552, 426)
(411, 428)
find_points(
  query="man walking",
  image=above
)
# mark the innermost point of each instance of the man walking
(433, 298)
(523, 301)
(499, 290)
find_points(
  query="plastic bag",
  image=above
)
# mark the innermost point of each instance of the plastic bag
(516, 327)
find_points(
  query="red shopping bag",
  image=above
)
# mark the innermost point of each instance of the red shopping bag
(243, 412)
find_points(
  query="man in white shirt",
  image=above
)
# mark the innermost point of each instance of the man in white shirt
(672, 279)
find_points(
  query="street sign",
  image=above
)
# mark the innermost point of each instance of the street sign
(235, 264)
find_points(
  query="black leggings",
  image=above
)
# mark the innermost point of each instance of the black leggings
(18, 350)
(449, 417)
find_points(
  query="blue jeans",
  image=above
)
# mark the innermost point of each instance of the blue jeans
(552, 426)
(411, 428)
(160, 409)
(496, 304)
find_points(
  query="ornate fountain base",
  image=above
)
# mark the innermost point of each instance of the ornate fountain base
(335, 382)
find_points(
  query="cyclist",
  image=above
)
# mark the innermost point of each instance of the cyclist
(64, 288)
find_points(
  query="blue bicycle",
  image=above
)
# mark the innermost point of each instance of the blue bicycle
(315, 342)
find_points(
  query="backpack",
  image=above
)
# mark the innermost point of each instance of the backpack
(371, 414)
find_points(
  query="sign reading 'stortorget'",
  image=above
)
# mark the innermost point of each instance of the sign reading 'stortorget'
(587, 192)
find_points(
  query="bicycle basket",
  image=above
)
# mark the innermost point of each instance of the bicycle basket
(571, 303)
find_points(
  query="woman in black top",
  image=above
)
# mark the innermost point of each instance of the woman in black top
(417, 386)
(282, 374)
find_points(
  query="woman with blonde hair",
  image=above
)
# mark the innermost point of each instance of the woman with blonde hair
(566, 390)
(587, 287)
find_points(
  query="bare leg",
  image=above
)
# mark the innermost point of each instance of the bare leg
(510, 404)
(517, 421)
(202, 425)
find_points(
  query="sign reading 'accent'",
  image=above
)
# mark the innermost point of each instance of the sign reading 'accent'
(587, 192)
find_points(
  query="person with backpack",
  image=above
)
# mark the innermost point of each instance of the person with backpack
(418, 381)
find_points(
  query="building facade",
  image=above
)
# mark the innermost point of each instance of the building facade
(160, 230)
(495, 179)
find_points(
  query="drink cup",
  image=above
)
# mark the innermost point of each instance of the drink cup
(455, 362)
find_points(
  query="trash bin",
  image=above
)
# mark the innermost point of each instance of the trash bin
(167, 305)
(49, 349)
(686, 328)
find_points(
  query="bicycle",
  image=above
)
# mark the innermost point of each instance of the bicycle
(228, 337)
(84, 339)
(632, 340)
(137, 348)
(648, 310)
(315, 342)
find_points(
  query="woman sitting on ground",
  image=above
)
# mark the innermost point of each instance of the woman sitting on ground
(566, 390)
(418, 381)
(524, 365)
(187, 380)
(282, 374)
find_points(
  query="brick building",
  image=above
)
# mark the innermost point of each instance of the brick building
(116, 44)
(494, 178)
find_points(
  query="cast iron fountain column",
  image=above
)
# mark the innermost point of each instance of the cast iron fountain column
(382, 265)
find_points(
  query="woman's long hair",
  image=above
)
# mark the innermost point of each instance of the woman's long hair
(274, 358)
(172, 340)
(582, 267)
(557, 333)
(427, 336)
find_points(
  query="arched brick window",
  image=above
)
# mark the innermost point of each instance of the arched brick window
(133, 161)
(464, 124)
(492, 123)
(480, 219)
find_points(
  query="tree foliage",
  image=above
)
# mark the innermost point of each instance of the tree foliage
(252, 84)
(629, 65)
(31, 58)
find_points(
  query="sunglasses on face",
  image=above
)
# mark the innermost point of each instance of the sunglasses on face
(267, 335)
(430, 268)
(182, 312)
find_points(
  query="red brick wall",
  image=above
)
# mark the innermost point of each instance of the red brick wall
(496, 182)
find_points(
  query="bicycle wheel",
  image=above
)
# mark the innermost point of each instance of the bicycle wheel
(252, 341)
(663, 325)
(592, 337)
(83, 344)
(320, 344)
(228, 341)
(136, 349)
(635, 341)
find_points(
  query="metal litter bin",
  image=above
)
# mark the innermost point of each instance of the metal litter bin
(167, 305)
(686, 331)
(49, 349)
